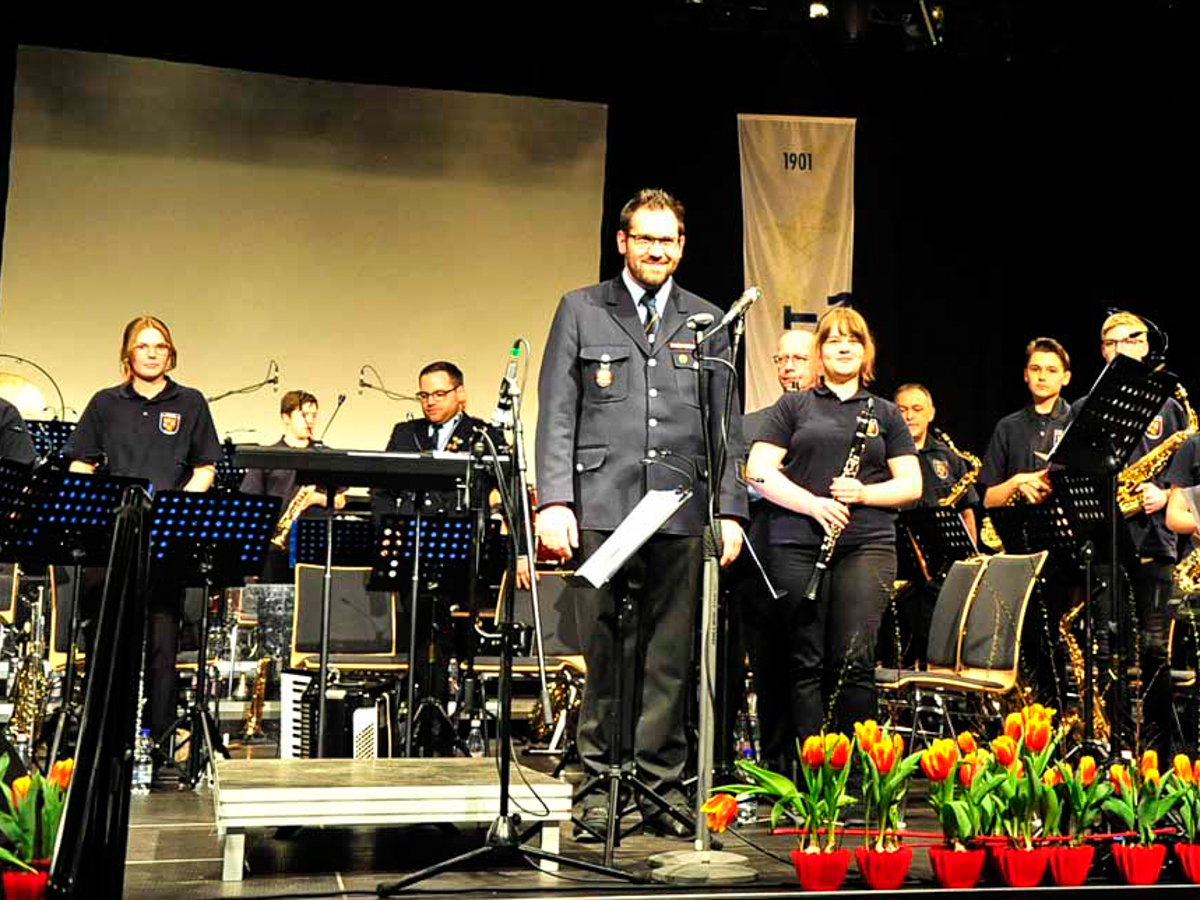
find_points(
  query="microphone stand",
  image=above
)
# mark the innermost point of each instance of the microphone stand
(504, 836)
(391, 395)
(704, 865)
(272, 378)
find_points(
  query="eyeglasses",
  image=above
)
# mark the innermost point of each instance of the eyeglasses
(160, 349)
(435, 396)
(1132, 340)
(646, 241)
(794, 359)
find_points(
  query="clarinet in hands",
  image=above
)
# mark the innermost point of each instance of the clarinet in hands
(850, 470)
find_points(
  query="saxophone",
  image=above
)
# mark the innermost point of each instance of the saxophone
(252, 726)
(299, 503)
(973, 466)
(1146, 468)
(1073, 721)
(32, 684)
(1186, 574)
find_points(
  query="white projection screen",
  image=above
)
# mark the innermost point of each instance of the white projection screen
(323, 225)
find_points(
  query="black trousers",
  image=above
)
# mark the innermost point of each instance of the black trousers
(653, 659)
(831, 640)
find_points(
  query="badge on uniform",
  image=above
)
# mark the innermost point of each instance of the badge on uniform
(168, 423)
(604, 374)
(1154, 429)
(940, 469)
(873, 428)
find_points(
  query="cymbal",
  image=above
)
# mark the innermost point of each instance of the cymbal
(22, 393)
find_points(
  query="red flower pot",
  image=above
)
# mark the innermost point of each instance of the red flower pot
(821, 871)
(1069, 865)
(956, 869)
(883, 871)
(1189, 860)
(22, 885)
(1019, 867)
(1139, 864)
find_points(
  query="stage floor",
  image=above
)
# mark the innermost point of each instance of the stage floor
(174, 852)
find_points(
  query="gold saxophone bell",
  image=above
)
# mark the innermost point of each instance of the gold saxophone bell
(1129, 498)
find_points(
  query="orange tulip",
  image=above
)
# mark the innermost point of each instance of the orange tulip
(938, 761)
(1151, 776)
(60, 773)
(1051, 777)
(1183, 769)
(1013, 726)
(1087, 770)
(837, 747)
(1019, 768)
(966, 742)
(898, 744)
(1119, 776)
(812, 753)
(868, 734)
(1149, 761)
(972, 764)
(1005, 748)
(721, 809)
(1037, 734)
(20, 787)
(883, 755)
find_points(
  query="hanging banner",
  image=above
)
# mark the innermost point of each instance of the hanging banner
(798, 230)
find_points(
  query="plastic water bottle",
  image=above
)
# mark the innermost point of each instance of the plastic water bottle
(476, 744)
(143, 762)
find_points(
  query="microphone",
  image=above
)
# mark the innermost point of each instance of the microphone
(273, 375)
(739, 308)
(341, 399)
(502, 414)
(699, 320)
(362, 381)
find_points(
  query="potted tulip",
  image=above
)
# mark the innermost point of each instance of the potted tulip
(1188, 777)
(1083, 794)
(1024, 752)
(29, 821)
(960, 792)
(1141, 797)
(883, 860)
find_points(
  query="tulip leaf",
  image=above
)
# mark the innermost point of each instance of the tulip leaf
(1122, 810)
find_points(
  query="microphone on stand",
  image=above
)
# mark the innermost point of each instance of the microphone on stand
(502, 414)
(739, 308)
(362, 380)
(320, 442)
(273, 376)
(699, 321)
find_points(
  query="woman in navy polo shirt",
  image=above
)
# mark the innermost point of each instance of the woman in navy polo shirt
(797, 462)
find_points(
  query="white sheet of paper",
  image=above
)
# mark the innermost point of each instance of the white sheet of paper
(646, 518)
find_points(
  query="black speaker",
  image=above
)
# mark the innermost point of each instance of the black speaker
(361, 621)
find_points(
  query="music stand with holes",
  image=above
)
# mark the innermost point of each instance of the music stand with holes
(212, 539)
(67, 519)
(1099, 440)
(434, 553)
(228, 476)
(939, 539)
(49, 436)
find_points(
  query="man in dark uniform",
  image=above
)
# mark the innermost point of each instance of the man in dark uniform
(1152, 549)
(1017, 455)
(941, 470)
(15, 442)
(154, 428)
(298, 414)
(619, 384)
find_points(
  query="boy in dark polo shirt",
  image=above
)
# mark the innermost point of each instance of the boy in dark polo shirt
(151, 427)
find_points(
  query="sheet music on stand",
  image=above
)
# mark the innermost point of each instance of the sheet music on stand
(940, 538)
(49, 435)
(1118, 410)
(651, 513)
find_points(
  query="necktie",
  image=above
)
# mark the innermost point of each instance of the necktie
(651, 323)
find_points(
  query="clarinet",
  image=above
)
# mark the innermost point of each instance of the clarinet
(849, 470)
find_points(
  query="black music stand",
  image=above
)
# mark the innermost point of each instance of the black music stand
(61, 518)
(49, 436)
(1098, 442)
(939, 539)
(435, 553)
(217, 539)
(228, 476)
(353, 541)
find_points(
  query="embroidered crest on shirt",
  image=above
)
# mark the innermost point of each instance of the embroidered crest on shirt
(168, 422)
(1155, 428)
(873, 428)
(941, 469)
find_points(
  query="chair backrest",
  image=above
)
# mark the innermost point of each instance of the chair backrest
(949, 614)
(991, 641)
